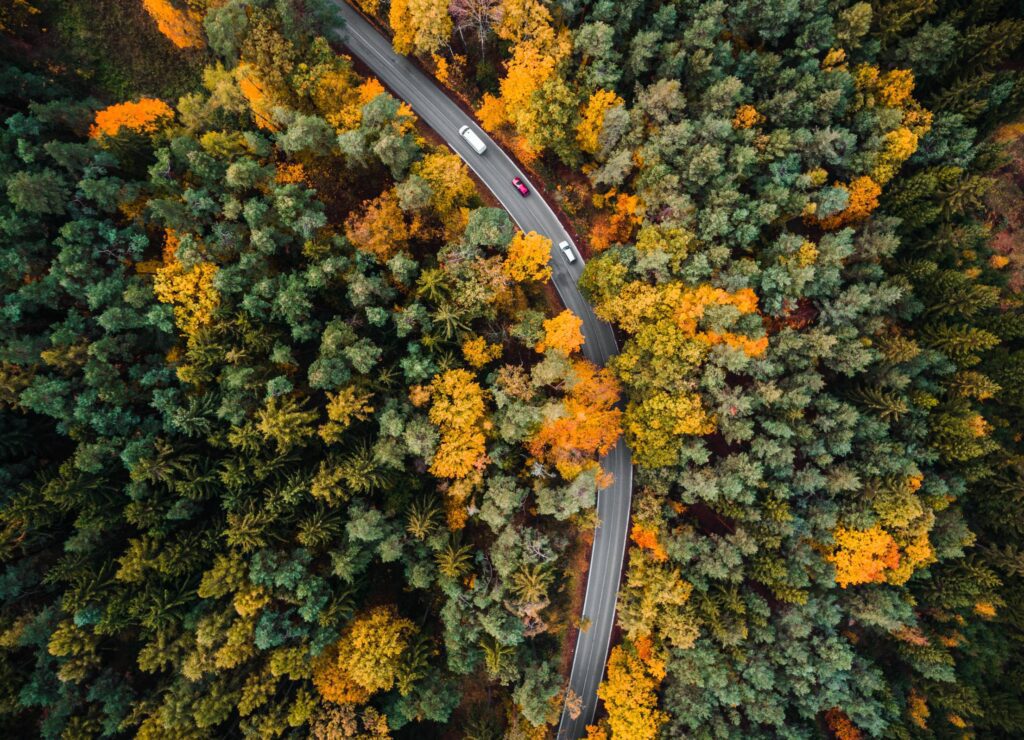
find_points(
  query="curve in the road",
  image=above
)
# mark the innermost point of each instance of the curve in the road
(496, 170)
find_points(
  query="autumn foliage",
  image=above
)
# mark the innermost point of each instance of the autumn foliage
(379, 227)
(538, 52)
(863, 555)
(588, 133)
(478, 351)
(179, 26)
(647, 539)
(458, 411)
(630, 693)
(586, 423)
(528, 257)
(256, 96)
(144, 116)
(562, 333)
(189, 289)
(616, 225)
(366, 659)
(665, 321)
(841, 725)
(421, 26)
(747, 116)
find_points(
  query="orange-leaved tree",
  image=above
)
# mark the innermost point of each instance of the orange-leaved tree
(539, 51)
(562, 333)
(630, 692)
(180, 26)
(618, 225)
(863, 199)
(145, 116)
(379, 227)
(585, 424)
(367, 657)
(528, 257)
(841, 725)
(863, 555)
(255, 93)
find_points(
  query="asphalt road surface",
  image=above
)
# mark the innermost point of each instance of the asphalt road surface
(532, 213)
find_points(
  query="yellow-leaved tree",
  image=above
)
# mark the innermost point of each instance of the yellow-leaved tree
(458, 411)
(478, 351)
(528, 257)
(562, 333)
(668, 344)
(539, 53)
(420, 26)
(588, 133)
(630, 691)
(367, 657)
(451, 188)
(881, 90)
(189, 289)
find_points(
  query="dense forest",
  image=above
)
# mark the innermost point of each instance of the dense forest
(288, 422)
(296, 440)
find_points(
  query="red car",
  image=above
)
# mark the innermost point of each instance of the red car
(520, 186)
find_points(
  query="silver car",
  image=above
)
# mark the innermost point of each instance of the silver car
(567, 251)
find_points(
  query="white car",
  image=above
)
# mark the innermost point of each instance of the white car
(567, 251)
(474, 141)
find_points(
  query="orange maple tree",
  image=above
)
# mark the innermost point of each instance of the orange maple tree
(379, 227)
(181, 27)
(747, 116)
(539, 51)
(255, 95)
(863, 555)
(647, 539)
(491, 112)
(145, 116)
(863, 193)
(616, 227)
(587, 422)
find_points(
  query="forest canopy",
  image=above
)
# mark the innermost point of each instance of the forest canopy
(296, 440)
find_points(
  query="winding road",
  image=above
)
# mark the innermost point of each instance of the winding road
(532, 213)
